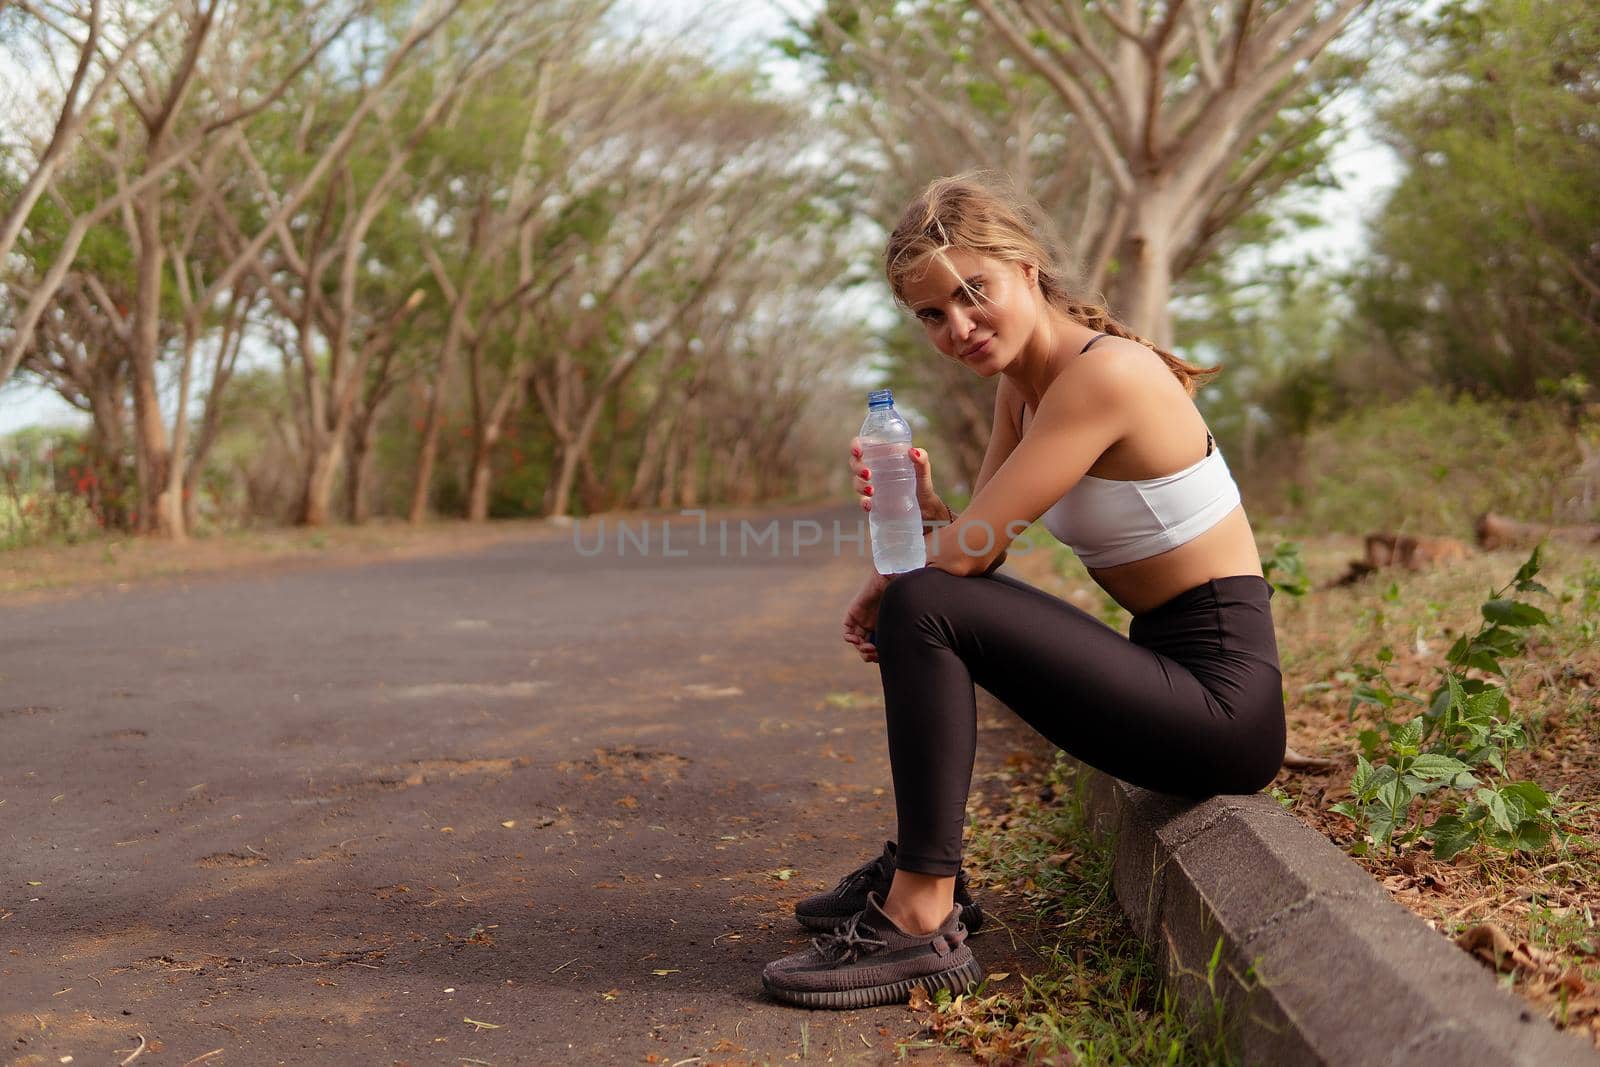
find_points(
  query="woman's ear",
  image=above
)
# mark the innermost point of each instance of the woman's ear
(1030, 274)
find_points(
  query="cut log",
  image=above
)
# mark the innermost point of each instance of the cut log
(1497, 531)
(1404, 550)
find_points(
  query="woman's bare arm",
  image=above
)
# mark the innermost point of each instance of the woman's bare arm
(1072, 428)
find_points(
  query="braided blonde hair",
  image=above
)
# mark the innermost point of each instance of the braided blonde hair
(980, 212)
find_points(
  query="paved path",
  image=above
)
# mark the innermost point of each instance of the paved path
(327, 815)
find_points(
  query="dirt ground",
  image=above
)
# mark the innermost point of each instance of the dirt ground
(518, 803)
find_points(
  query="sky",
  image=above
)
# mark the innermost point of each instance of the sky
(1364, 168)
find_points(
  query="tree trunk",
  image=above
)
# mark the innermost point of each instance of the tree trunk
(1143, 283)
(428, 454)
(482, 469)
(560, 496)
(150, 431)
(689, 468)
(359, 475)
(321, 474)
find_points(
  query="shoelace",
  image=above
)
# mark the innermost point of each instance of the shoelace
(847, 940)
(872, 868)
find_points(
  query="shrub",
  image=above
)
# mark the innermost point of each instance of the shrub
(1431, 465)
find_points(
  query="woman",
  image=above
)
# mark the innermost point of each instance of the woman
(1095, 431)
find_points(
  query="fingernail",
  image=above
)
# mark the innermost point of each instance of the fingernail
(868, 490)
(866, 474)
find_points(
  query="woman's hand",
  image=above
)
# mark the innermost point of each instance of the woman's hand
(933, 509)
(861, 617)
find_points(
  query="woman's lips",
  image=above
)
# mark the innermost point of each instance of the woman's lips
(980, 350)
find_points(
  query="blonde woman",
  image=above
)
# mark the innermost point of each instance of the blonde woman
(1096, 433)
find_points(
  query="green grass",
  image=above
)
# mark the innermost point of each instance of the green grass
(1095, 996)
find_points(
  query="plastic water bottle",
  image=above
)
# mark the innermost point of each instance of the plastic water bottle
(895, 518)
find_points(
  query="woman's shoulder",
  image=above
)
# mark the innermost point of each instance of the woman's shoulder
(1115, 369)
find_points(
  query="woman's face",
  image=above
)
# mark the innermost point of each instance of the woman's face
(982, 323)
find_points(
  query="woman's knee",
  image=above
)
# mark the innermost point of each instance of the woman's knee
(914, 595)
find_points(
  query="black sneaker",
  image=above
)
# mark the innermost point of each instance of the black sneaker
(868, 960)
(824, 911)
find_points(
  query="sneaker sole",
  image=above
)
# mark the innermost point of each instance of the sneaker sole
(957, 980)
(971, 918)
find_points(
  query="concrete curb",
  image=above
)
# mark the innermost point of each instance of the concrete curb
(1318, 965)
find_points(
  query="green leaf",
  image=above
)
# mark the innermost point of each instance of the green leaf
(1485, 661)
(1497, 808)
(1393, 804)
(1363, 776)
(1532, 835)
(1452, 835)
(1526, 572)
(1529, 793)
(1366, 694)
(1514, 613)
(1432, 765)
(1485, 707)
(1369, 740)
(1407, 740)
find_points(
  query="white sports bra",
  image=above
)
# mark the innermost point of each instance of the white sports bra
(1108, 522)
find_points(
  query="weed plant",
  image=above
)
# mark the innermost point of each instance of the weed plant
(1455, 748)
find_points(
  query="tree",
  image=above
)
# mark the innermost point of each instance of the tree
(919, 90)
(1197, 113)
(1486, 276)
(366, 176)
(98, 52)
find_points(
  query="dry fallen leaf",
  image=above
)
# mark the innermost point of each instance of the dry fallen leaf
(666, 970)
(510, 824)
(481, 1025)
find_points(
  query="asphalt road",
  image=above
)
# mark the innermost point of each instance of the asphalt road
(529, 804)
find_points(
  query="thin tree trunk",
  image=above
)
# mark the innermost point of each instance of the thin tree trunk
(480, 477)
(150, 431)
(358, 475)
(321, 475)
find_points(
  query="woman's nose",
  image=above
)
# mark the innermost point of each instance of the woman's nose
(960, 325)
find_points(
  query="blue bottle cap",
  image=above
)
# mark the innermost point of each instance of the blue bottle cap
(880, 398)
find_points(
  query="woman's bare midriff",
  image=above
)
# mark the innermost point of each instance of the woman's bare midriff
(1227, 549)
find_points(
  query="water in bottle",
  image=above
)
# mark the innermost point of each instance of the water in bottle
(895, 518)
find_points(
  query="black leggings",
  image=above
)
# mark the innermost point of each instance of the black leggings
(1190, 702)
